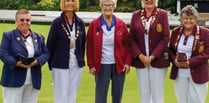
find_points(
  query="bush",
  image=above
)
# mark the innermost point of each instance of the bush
(19, 4)
(48, 4)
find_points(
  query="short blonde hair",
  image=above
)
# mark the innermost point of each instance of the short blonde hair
(113, 1)
(62, 5)
(189, 10)
(21, 11)
(156, 3)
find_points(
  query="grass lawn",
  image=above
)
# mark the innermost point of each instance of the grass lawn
(86, 90)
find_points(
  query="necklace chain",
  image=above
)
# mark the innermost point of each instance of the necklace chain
(68, 33)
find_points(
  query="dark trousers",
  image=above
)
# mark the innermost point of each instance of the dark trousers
(108, 72)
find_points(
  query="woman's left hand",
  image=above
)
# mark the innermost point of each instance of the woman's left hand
(184, 64)
(126, 68)
(34, 63)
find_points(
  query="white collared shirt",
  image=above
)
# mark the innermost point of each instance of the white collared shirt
(31, 51)
(187, 49)
(73, 59)
(146, 36)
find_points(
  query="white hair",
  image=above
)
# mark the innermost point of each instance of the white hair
(113, 1)
(156, 3)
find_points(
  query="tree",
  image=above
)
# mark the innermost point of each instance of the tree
(85, 5)
(48, 4)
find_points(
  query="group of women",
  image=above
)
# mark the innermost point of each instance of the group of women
(111, 50)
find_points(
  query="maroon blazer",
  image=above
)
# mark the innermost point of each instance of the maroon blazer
(94, 45)
(200, 54)
(158, 38)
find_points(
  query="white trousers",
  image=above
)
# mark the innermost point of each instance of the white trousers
(24, 94)
(66, 82)
(151, 84)
(189, 92)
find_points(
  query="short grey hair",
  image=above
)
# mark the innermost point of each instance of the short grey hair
(156, 3)
(113, 1)
(21, 11)
(189, 10)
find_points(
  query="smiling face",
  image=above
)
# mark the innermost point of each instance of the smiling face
(23, 22)
(189, 17)
(188, 21)
(69, 5)
(107, 7)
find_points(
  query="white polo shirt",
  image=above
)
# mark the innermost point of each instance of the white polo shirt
(108, 42)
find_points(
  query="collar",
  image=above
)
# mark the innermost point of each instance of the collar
(26, 36)
(195, 30)
(154, 12)
(66, 21)
(103, 22)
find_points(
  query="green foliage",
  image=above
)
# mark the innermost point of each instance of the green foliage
(127, 6)
(17, 4)
(168, 5)
(85, 5)
(47, 4)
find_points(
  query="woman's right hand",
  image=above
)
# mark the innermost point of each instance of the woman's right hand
(145, 60)
(20, 64)
(92, 71)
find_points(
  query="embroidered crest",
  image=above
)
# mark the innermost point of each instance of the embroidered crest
(201, 48)
(159, 28)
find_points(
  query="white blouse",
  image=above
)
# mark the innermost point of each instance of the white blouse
(185, 46)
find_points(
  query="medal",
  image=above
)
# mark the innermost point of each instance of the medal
(71, 40)
(71, 44)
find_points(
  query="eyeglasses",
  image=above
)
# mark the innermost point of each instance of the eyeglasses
(27, 20)
(108, 5)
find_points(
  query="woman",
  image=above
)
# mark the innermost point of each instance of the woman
(66, 44)
(189, 49)
(107, 55)
(23, 53)
(148, 40)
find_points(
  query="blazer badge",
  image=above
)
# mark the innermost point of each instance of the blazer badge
(159, 28)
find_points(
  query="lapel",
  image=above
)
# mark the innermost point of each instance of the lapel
(20, 40)
(65, 27)
(196, 33)
(99, 31)
(144, 19)
(35, 41)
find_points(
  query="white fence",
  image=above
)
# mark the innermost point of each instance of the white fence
(48, 16)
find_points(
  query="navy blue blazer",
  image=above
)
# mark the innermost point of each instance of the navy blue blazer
(12, 45)
(58, 43)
